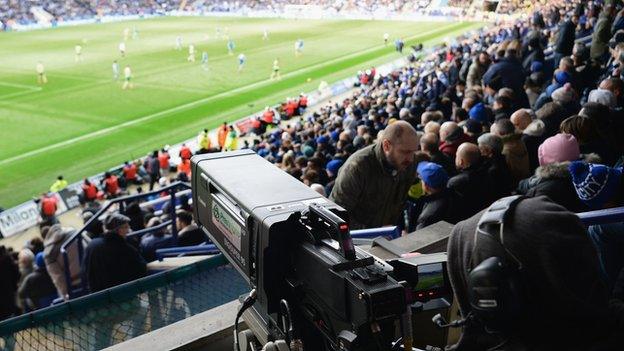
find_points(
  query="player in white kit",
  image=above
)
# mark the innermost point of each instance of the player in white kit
(127, 78)
(41, 75)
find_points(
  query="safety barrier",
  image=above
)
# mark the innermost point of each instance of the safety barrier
(79, 239)
(117, 314)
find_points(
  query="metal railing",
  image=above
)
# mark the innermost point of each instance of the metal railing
(611, 215)
(79, 238)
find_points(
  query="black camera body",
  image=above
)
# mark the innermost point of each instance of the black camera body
(294, 247)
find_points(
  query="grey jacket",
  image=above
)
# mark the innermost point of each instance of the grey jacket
(370, 190)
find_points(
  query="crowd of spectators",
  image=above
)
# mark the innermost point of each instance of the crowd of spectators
(490, 115)
(496, 114)
(19, 12)
(34, 276)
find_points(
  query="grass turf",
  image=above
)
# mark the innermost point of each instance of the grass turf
(172, 99)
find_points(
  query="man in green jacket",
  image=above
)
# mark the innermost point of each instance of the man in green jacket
(602, 33)
(373, 184)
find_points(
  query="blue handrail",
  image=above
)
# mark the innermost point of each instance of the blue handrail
(121, 202)
(209, 249)
(611, 215)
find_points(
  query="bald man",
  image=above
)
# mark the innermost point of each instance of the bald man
(372, 185)
(472, 185)
(451, 136)
(521, 119)
(532, 134)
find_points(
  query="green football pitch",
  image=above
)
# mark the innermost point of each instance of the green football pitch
(81, 122)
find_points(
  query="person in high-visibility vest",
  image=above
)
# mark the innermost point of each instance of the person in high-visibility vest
(111, 185)
(222, 135)
(185, 167)
(231, 142)
(89, 192)
(48, 205)
(203, 140)
(130, 173)
(185, 152)
(58, 185)
(163, 160)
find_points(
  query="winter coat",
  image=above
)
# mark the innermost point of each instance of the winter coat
(565, 38)
(371, 190)
(475, 74)
(553, 180)
(191, 235)
(8, 285)
(37, 287)
(512, 75)
(517, 157)
(567, 306)
(500, 176)
(472, 191)
(110, 260)
(55, 264)
(533, 137)
(436, 207)
(600, 37)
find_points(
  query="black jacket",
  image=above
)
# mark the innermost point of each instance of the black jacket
(436, 208)
(565, 39)
(444, 161)
(512, 75)
(37, 286)
(191, 235)
(472, 191)
(499, 174)
(553, 180)
(110, 261)
(533, 137)
(9, 274)
(567, 307)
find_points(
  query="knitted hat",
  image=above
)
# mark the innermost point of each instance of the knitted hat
(536, 66)
(39, 260)
(478, 113)
(564, 94)
(432, 174)
(595, 184)
(322, 139)
(308, 151)
(562, 77)
(602, 96)
(333, 166)
(558, 148)
(473, 126)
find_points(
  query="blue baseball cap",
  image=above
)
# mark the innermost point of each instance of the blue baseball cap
(323, 139)
(432, 174)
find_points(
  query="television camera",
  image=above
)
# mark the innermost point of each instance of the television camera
(312, 288)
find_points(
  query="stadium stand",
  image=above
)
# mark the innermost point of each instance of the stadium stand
(21, 12)
(528, 107)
